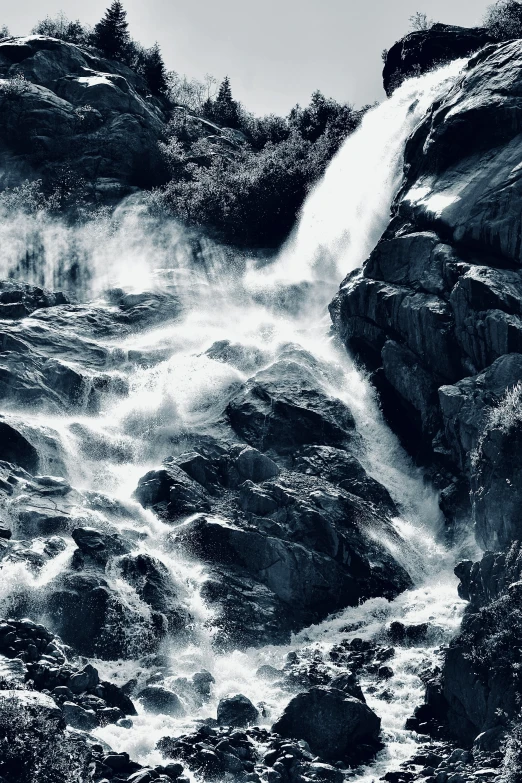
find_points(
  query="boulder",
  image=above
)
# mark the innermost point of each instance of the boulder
(331, 722)
(283, 407)
(91, 617)
(16, 448)
(236, 711)
(97, 546)
(254, 466)
(78, 717)
(171, 492)
(424, 50)
(156, 588)
(18, 300)
(63, 103)
(161, 701)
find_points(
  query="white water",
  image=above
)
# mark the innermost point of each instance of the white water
(187, 391)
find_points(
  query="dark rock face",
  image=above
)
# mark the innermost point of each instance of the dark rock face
(423, 50)
(282, 408)
(332, 723)
(161, 701)
(291, 549)
(73, 101)
(236, 711)
(481, 680)
(435, 312)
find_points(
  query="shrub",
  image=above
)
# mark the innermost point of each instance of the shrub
(504, 19)
(248, 188)
(419, 21)
(63, 28)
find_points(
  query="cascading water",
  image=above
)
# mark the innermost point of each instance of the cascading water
(175, 386)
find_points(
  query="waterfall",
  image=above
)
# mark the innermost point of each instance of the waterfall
(263, 309)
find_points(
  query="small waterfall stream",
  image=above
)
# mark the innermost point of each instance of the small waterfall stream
(263, 309)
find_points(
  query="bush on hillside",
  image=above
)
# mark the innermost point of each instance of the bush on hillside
(504, 19)
(60, 26)
(247, 182)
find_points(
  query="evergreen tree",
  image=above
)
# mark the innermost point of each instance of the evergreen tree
(111, 34)
(226, 110)
(154, 71)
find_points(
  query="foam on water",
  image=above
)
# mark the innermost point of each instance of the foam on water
(270, 311)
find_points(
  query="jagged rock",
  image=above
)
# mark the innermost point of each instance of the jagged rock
(161, 701)
(345, 470)
(423, 50)
(171, 492)
(200, 469)
(18, 300)
(71, 99)
(16, 448)
(154, 585)
(78, 717)
(348, 684)
(236, 711)
(84, 680)
(92, 618)
(245, 358)
(332, 723)
(435, 313)
(98, 546)
(282, 407)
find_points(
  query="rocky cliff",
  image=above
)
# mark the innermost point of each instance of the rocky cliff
(435, 314)
(62, 104)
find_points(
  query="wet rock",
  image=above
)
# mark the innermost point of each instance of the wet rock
(348, 684)
(154, 585)
(90, 616)
(161, 701)
(203, 682)
(97, 546)
(171, 493)
(283, 407)
(424, 50)
(79, 718)
(18, 300)
(267, 672)
(84, 680)
(254, 466)
(17, 449)
(332, 723)
(236, 711)
(199, 468)
(245, 358)
(342, 468)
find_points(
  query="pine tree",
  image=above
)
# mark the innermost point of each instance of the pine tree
(226, 109)
(111, 34)
(154, 71)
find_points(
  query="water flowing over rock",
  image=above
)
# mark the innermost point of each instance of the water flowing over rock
(434, 313)
(214, 551)
(423, 50)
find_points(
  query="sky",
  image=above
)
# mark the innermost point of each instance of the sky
(275, 52)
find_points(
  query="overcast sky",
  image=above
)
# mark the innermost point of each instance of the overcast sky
(276, 52)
